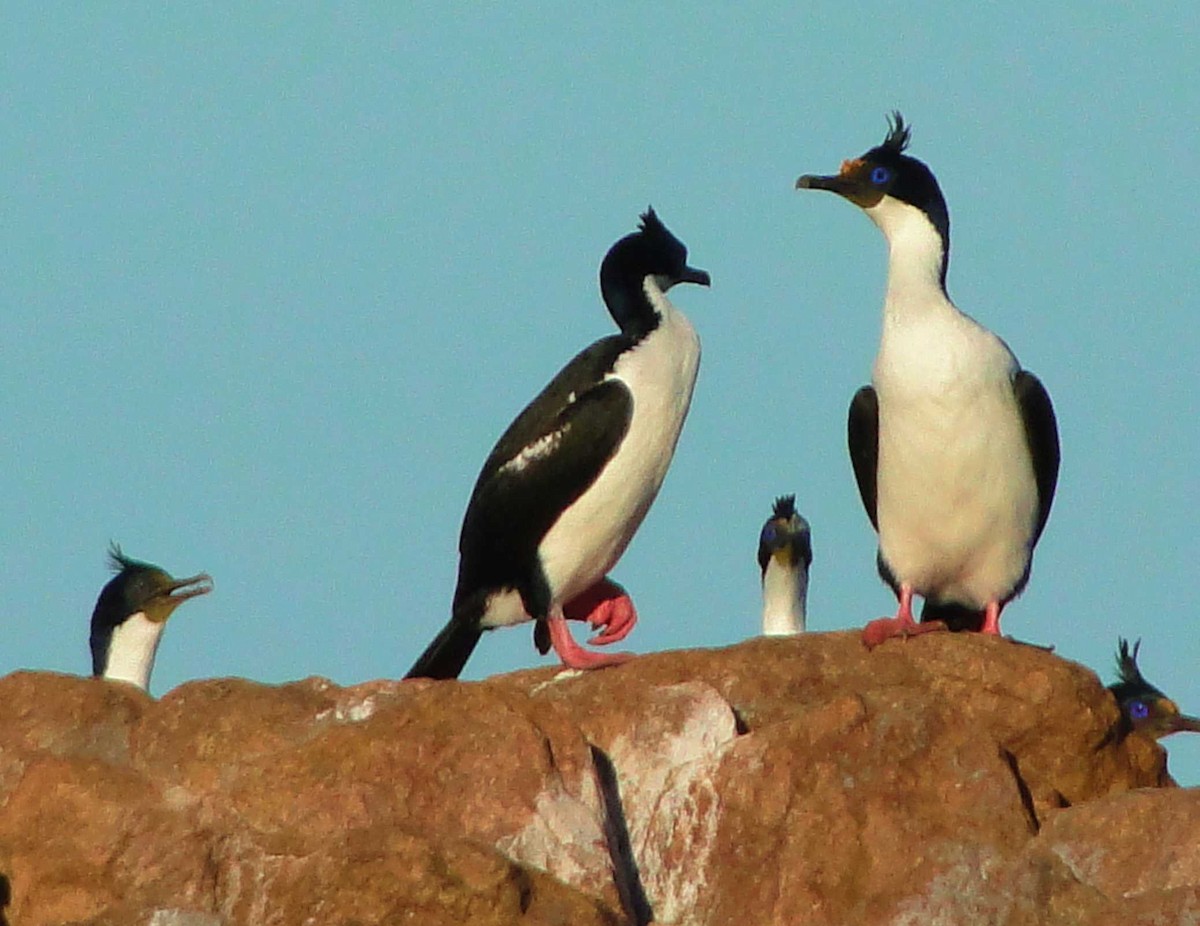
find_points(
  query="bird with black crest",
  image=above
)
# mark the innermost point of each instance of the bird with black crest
(1144, 708)
(954, 446)
(567, 485)
(784, 558)
(131, 615)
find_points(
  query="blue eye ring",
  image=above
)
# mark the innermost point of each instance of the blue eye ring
(880, 175)
(1138, 710)
(769, 533)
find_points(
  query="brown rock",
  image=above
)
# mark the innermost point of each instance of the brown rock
(1128, 858)
(949, 779)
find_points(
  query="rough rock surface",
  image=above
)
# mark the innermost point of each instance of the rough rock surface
(949, 779)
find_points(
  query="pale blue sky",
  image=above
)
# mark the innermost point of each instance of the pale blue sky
(277, 279)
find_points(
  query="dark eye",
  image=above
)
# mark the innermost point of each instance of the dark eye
(1138, 710)
(880, 176)
(768, 534)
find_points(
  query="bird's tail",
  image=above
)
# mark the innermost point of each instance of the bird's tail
(955, 616)
(449, 651)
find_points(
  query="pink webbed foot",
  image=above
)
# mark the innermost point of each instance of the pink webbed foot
(573, 655)
(885, 628)
(605, 605)
(902, 625)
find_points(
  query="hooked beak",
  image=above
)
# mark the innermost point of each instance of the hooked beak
(182, 589)
(834, 184)
(850, 182)
(1182, 723)
(692, 275)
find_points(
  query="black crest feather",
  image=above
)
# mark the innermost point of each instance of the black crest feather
(898, 135)
(1127, 667)
(651, 223)
(119, 562)
(785, 506)
(116, 559)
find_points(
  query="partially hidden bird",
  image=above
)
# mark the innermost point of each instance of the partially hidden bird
(567, 485)
(131, 615)
(784, 557)
(954, 446)
(1144, 708)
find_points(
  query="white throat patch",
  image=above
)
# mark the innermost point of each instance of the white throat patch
(132, 649)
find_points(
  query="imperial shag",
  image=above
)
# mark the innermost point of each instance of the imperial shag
(1144, 708)
(570, 481)
(954, 446)
(131, 614)
(784, 556)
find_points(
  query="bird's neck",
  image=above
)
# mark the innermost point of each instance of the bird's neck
(917, 257)
(132, 649)
(638, 307)
(785, 593)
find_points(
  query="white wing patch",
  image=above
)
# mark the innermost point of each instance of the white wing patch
(542, 447)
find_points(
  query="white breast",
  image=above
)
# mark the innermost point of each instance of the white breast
(785, 594)
(957, 497)
(589, 538)
(132, 649)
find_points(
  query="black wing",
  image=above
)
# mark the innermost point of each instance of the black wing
(548, 456)
(1041, 435)
(584, 371)
(546, 459)
(863, 433)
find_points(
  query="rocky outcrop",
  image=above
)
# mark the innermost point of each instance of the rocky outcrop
(943, 780)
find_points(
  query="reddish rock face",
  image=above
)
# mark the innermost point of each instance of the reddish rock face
(950, 779)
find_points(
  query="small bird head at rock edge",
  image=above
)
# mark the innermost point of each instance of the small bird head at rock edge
(1144, 707)
(786, 537)
(146, 588)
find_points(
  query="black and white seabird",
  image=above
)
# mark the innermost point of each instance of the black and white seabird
(131, 614)
(954, 446)
(567, 485)
(1144, 708)
(784, 555)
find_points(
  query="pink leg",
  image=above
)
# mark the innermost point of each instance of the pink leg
(902, 625)
(606, 604)
(573, 655)
(991, 619)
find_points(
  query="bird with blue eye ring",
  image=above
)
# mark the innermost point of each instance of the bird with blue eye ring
(1144, 708)
(880, 175)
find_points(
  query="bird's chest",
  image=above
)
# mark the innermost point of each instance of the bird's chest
(592, 533)
(948, 446)
(956, 490)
